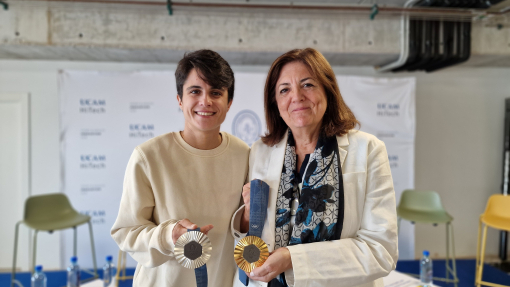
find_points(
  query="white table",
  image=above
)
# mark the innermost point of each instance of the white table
(98, 283)
(397, 279)
(394, 279)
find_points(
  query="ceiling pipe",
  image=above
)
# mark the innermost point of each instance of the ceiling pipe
(404, 42)
(437, 12)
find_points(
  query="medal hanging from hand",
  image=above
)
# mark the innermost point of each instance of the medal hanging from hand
(192, 250)
(251, 251)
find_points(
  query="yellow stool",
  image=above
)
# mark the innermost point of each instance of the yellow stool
(497, 216)
(121, 264)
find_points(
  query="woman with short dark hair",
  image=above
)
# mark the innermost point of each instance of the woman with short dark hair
(331, 218)
(175, 183)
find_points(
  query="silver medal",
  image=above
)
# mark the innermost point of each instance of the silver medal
(193, 249)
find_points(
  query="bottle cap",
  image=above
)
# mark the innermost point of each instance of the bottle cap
(426, 253)
(38, 268)
(74, 259)
(109, 258)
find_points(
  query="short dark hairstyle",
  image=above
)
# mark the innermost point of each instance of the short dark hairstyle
(338, 118)
(211, 68)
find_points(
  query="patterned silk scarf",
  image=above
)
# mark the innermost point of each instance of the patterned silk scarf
(320, 213)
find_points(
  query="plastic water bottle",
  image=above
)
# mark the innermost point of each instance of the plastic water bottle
(426, 270)
(73, 273)
(108, 271)
(38, 279)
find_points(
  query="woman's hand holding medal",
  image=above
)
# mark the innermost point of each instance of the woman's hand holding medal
(182, 227)
(278, 262)
(193, 248)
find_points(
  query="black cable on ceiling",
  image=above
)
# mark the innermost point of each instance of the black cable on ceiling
(4, 4)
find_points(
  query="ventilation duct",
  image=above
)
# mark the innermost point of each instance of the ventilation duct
(430, 45)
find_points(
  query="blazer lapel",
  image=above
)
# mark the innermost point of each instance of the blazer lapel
(272, 178)
(343, 143)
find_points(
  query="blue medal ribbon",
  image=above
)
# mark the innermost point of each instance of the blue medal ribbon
(200, 272)
(259, 197)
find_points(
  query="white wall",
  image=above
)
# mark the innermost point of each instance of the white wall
(458, 143)
(40, 80)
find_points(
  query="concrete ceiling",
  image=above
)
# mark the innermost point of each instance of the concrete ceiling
(62, 30)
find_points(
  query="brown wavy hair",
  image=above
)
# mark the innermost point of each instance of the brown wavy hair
(338, 118)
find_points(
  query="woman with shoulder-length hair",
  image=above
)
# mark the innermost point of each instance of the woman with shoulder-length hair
(331, 218)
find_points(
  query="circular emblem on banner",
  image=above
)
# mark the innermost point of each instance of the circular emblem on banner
(246, 126)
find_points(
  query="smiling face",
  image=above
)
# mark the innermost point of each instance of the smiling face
(204, 107)
(301, 99)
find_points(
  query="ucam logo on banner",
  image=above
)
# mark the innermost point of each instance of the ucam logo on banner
(141, 131)
(92, 161)
(386, 108)
(92, 106)
(104, 116)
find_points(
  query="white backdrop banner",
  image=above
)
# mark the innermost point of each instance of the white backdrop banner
(386, 108)
(105, 115)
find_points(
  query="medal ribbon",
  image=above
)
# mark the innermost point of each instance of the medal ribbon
(259, 196)
(200, 272)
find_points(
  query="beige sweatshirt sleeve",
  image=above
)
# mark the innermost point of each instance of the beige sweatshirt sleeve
(134, 231)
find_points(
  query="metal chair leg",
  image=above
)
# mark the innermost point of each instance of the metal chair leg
(118, 269)
(482, 255)
(34, 251)
(121, 267)
(74, 241)
(454, 260)
(447, 251)
(123, 273)
(93, 249)
(13, 274)
(479, 239)
(124, 262)
(449, 270)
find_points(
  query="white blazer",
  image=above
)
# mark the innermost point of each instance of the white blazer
(367, 249)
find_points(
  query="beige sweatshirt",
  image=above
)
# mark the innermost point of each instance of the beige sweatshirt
(168, 180)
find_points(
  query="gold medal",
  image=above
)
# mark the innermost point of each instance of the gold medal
(193, 249)
(250, 253)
